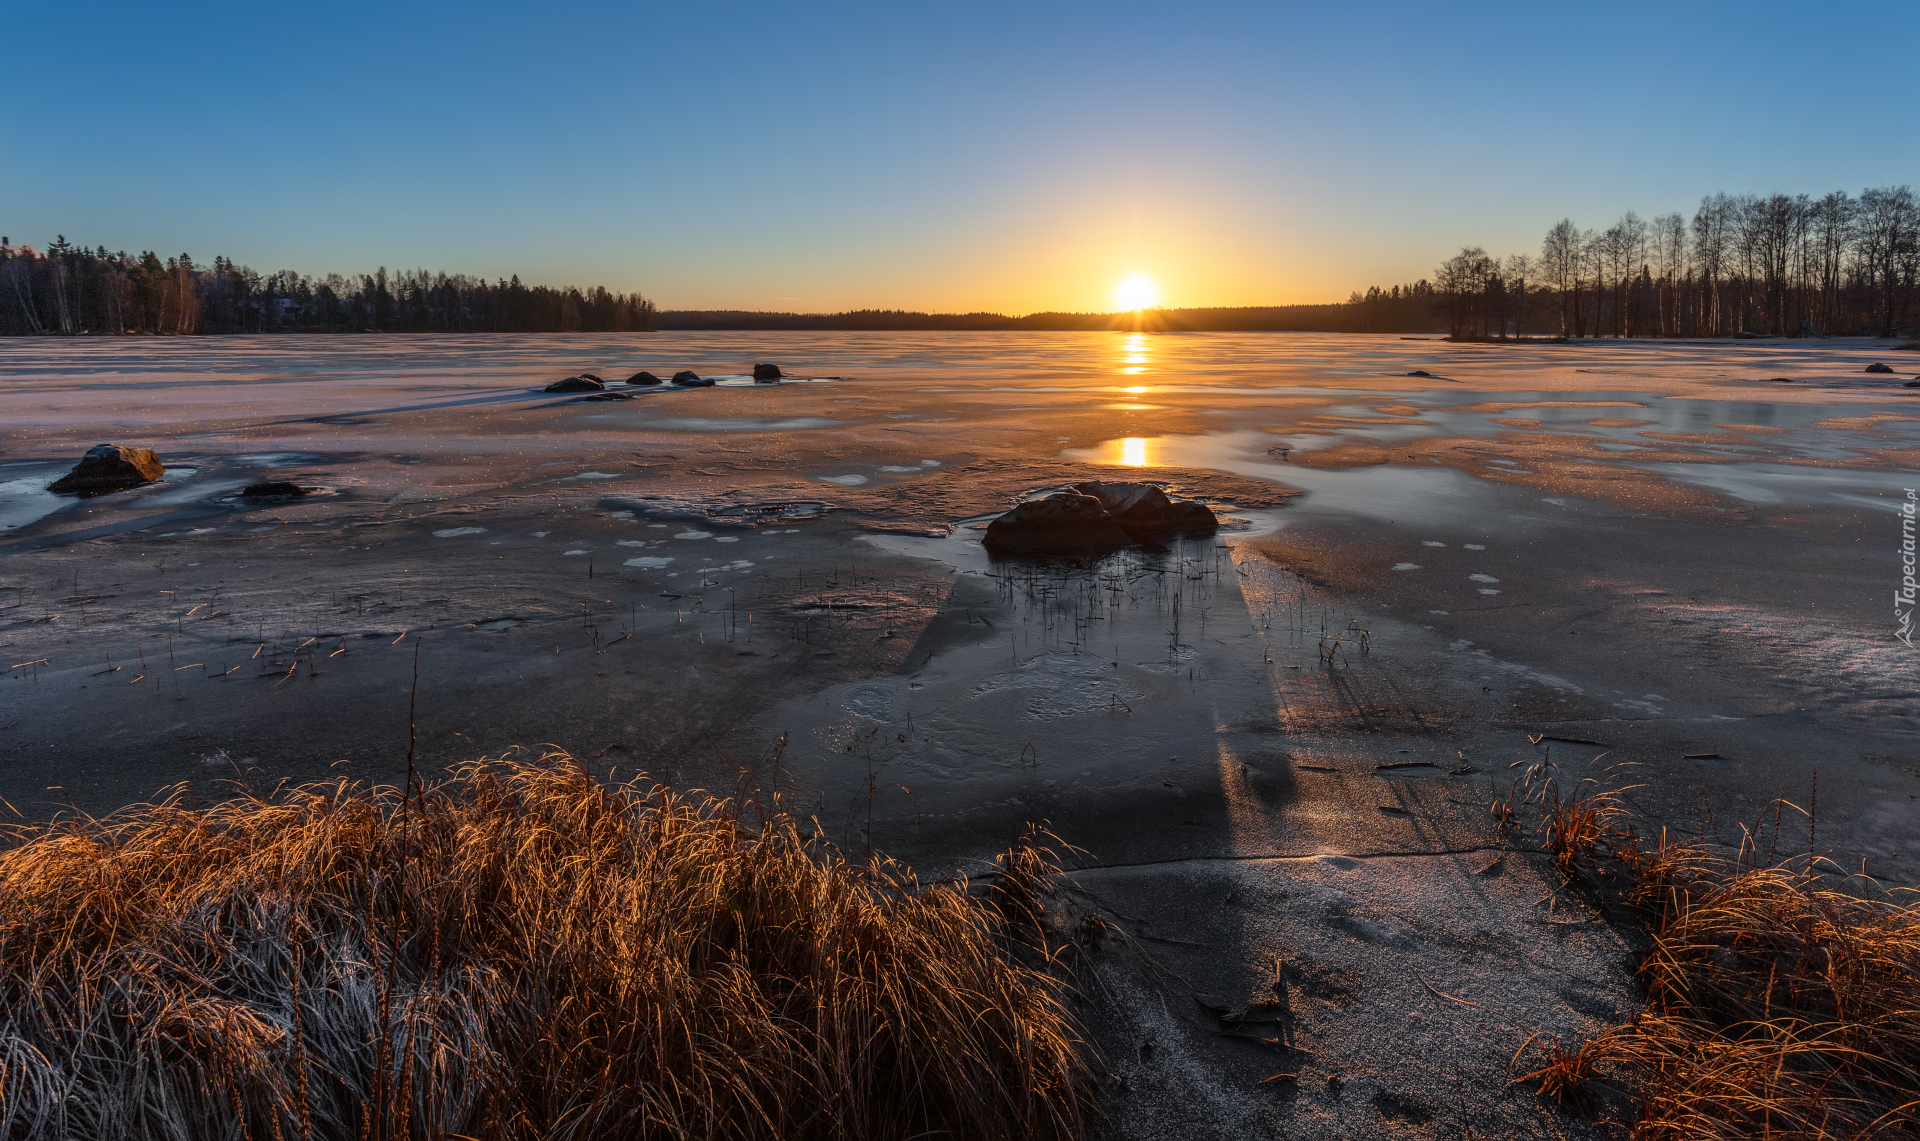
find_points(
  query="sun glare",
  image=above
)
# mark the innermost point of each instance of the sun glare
(1133, 452)
(1136, 291)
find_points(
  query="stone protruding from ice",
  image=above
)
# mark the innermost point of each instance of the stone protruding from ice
(691, 379)
(766, 372)
(1147, 514)
(580, 383)
(109, 467)
(273, 489)
(1068, 523)
(1093, 518)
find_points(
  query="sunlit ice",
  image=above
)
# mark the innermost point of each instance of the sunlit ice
(1136, 291)
(1133, 452)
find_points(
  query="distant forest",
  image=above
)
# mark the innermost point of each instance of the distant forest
(1416, 311)
(1743, 265)
(1776, 265)
(71, 289)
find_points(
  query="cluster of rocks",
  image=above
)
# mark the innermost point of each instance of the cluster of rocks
(1097, 518)
(109, 467)
(685, 378)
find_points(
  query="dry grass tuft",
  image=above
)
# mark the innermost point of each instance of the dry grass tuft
(1781, 1001)
(520, 952)
(1563, 1075)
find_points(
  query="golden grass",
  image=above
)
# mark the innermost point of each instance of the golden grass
(1781, 1002)
(520, 952)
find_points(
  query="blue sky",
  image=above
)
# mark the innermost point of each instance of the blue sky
(980, 156)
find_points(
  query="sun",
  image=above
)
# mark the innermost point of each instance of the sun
(1136, 291)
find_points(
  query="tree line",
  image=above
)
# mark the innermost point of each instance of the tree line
(1752, 265)
(1743, 265)
(1252, 318)
(71, 289)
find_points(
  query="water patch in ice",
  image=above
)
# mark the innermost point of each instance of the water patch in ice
(1795, 484)
(456, 532)
(280, 459)
(1474, 546)
(1486, 590)
(572, 552)
(631, 543)
(24, 501)
(1551, 681)
(727, 539)
(694, 535)
(1482, 578)
(1431, 543)
(873, 702)
(796, 509)
(648, 561)
(1406, 566)
(843, 480)
(1061, 685)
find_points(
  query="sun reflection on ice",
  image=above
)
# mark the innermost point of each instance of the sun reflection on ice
(1133, 452)
(1134, 349)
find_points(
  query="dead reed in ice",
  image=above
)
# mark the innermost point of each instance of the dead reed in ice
(1783, 998)
(521, 951)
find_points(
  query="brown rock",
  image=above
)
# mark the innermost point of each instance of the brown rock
(109, 467)
(1147, 515)
(1065, 524)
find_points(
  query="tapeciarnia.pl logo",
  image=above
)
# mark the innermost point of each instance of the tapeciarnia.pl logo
(1904, 597)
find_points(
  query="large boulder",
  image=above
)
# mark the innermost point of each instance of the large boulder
(766, 372)
(643, 377)
(577, 384)
(691, 379)
(1876, 366)
(1147, 514)
(109, 467)
(1067, 523)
